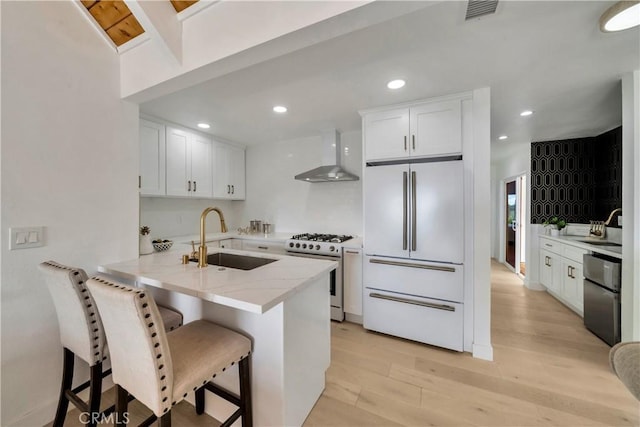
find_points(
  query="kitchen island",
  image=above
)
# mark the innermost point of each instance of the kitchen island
(282, 306)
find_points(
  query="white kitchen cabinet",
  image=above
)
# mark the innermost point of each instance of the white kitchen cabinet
(151, 180)
(189, 164)
(572, 284)
(561, 272)
(550, 273)
(231, 244)
(423, 130)
(352, 281)
(229, 177)
(264, 246)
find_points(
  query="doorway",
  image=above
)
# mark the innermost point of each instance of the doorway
(514, 234)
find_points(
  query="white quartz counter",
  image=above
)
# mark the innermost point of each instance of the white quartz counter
(254, 291)
(216, 237)
(577, 241)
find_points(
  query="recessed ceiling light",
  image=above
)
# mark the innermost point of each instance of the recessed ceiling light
(620, 16)
(502, 137)
(280, 109)
(526, 113)
(204, 125)
(396, 84)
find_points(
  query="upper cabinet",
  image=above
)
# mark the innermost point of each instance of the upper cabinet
(152, 159)
(180, 163)
(421, 130)
(189, 164)
(229, 167)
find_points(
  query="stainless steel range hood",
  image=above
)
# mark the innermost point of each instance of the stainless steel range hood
(331, 171)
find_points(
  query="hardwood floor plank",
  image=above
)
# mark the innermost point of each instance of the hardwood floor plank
(404, 414)
(332, 412)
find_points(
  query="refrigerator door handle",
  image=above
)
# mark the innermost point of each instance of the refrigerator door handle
(411, 265)
(414, 238)
(414, 302)
(404, 211)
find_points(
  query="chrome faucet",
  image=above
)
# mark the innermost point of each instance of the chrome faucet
(202, 250)
(611, 216)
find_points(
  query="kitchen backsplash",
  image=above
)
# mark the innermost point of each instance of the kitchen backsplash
(296, 206)
(168, 217)
(576, 179)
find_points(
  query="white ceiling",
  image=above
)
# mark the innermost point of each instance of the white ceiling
(548, 56)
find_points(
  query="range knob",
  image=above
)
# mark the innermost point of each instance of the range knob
(291, 244)
(332, 248)
(297, 245)
(317, 247)
(304, 246)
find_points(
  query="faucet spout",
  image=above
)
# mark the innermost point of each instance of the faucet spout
(611, 216)
(202, 250)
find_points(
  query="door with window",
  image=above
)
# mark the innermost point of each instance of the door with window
(514, 230)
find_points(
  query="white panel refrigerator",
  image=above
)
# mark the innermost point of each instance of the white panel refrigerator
(414, 246)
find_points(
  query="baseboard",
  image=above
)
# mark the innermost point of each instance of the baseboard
(534, 286)
(353, 318)
(483, 351)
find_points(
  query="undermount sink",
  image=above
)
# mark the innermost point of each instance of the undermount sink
(600, 242)
(240, 262)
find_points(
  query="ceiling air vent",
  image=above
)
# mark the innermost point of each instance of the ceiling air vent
(477, 8)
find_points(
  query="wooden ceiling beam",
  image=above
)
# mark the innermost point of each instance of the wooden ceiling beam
(180, 5)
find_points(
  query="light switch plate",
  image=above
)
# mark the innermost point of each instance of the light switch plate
(620, 221)
(26, 237)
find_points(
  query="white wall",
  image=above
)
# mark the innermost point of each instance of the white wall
(295, 206)
(69, 163)
(631, 207)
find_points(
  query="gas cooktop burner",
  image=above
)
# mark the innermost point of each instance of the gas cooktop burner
(315, 237)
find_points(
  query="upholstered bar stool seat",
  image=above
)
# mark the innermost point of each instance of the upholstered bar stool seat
(160, 368)
(82, 334)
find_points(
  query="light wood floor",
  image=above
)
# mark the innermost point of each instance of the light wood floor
(547, 370)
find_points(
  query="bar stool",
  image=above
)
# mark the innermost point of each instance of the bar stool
(160, 368)
(82, 335)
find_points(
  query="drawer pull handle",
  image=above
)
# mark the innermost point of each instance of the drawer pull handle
(414, 302)
(408, 264)
(353, 252)
(263, 247)
(547, 244)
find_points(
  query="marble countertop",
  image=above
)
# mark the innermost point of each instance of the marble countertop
(255, 290)
(577, 241)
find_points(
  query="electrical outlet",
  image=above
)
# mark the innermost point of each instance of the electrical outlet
(26, 237)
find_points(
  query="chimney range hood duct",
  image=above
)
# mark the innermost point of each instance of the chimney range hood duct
(331, 171)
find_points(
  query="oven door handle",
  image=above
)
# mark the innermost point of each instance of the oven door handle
(413, 302)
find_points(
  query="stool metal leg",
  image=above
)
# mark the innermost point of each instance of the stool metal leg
(95, 391)
(200, 400)
(165, 420)
(67, 381)
(245, 392)
(122, 402)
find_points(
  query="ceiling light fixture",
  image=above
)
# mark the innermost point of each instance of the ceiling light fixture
(620, 16)
(526, 113)
(396, 84)
(280, 109)
(502, 137)
(204, 125)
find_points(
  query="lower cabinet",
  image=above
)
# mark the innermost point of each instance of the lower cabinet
(426, 320)
(262, 246)
(561, 272)
(231, 244)
(352, 283)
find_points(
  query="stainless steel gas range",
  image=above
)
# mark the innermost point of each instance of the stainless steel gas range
(323, 246)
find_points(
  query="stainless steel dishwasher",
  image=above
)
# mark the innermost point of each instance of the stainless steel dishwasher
(602, 297)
